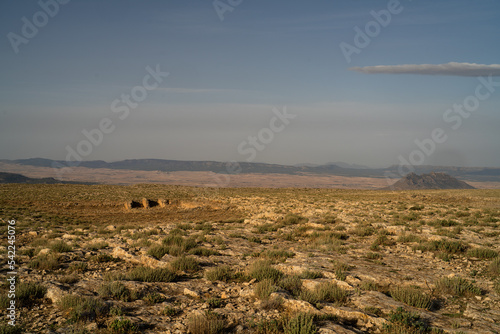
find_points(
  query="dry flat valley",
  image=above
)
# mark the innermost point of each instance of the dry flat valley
(176, 259)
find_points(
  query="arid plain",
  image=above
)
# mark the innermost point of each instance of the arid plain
(253, 260)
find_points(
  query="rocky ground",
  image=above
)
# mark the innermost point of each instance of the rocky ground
(252, 260)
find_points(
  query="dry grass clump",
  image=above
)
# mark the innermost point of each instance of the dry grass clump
(29, 293)
(207, 323)
(411, 295)
(60, 247)
(494, 267)
(118, 291)
(262, 269)
(146, 274)
(311, 274)
(185, 263)
(222, 273)
(292, 284)
(264, 288)
(458, 287)
(302, 323)
(482, 253)
(83, 308)
(45, 262)
(325, 292)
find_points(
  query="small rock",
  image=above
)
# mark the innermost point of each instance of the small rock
(191, 293)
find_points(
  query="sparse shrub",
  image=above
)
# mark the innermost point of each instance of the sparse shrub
(340, 274)
(404, 322)
(102, 258)
(69, 279)
(271, 326)
(280, 255)
(222, 273)
(185, 263)
(83, 308)
(374, 310)
(178, 245)
(292, 284)
(412, 296)
(214, 302)
(272, 303)
(457, 286)
(362, 230)
(450, 247)
(369, 286)
(146, 274)
(153, 298)
(78, 266)
(254, 239)
(29, 293)
(494, 267)
(324, 292)
(97, 246)
(301, 323)
(373, 256)
(118, 291)
(208, 323)
(311, 274)
(8, 329)
(262, 270)
(382, 240)
(293, 219)
(122, 326)
(170, 311)
(405, 238)
(264, 288)
(309, 296)
(261, 229)
(111, 276)
(60, 247)
(496, 286)
(202, 251)
(330, 292)
(45, 262)
(158, 251)
(442, 223)
(341, 265)
(482, 253)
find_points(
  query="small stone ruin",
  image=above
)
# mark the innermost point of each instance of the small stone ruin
(148, 203)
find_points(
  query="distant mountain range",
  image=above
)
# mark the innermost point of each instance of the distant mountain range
(482, 174)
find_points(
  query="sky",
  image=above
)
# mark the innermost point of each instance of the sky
(375, 83)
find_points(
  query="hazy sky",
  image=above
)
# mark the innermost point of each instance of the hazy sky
(233, 65)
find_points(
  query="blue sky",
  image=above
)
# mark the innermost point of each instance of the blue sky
(226, 76)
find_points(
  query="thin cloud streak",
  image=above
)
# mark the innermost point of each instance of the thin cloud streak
(181, 90)
(452, 68)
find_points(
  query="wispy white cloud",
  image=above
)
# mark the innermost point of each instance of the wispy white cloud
(457, 69)
(182, 90)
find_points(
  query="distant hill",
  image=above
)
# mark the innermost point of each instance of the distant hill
(432, 180)
(18, 178)
(481, 174)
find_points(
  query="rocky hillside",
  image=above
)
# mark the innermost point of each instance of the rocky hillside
(432, 180)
